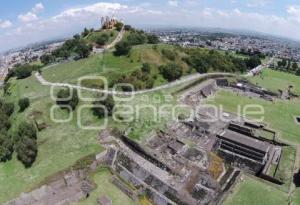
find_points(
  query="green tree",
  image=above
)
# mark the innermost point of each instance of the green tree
(128, 28)
(85, 32)
(136, 38)
(23, 72)
(102, 40)
(146, 68)
(76, 37)
(47, 59)
(253, 62)
(26, 143)
(169, 54)
(171, 71)
(27, 150)
(6, 88)
(122, 48)
(298, 72)
(26, 129)
(284, 62)
(107, 107)
(119, 26)
(6, 147)
(5, 123)
(23, 104)
(8, 108)
(66, 97)
(295, 66)
(83, 50)
(152, 39)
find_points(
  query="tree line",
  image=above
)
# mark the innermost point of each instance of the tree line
(288, 65)
(75, 47)
(135, 37)
(23, 141)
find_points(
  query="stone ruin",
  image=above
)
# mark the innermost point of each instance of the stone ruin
(69, 188)
(251, 90)
(167, 169)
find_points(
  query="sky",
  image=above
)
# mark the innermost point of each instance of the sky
(28, 21)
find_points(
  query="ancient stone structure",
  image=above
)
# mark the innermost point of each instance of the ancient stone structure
(67, 189)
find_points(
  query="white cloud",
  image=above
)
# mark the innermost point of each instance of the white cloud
(38, 8)
(294, 12)
(28, 17)
(257, 3)
(31, 15)
(73, 20)
(173, 3)
(5, 24)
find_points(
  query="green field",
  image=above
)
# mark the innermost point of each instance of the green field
(285, 170)
(252, 191)
(274, 80)
(296, 197)
(280, 115)
(105, 188)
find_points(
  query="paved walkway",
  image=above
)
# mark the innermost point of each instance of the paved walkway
(259, 68)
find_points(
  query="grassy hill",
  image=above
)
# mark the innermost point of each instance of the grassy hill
(93, 36)
(112, 67)
(61, 144)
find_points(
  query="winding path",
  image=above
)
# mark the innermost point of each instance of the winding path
(185, 79)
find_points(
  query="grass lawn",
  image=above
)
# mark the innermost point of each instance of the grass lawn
(106, 188)
(73, 70)
(296, 197)
(251, 191)
(285, 169)
(274, 80)
(106, 65)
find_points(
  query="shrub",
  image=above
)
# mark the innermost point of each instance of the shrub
(171, 71)
(67, 98)
(23, 104)
(102, 40)
(26, 144)
(146, 68)
(122, 48)
(108, 103)
(8, 108)
(169, 54)
(27, 151)
(253, 62)
(152, 39)
(6, 147)
(136, 38)
(119, 26)
(23, 72)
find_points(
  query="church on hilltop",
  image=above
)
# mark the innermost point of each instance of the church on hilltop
(108, 23)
